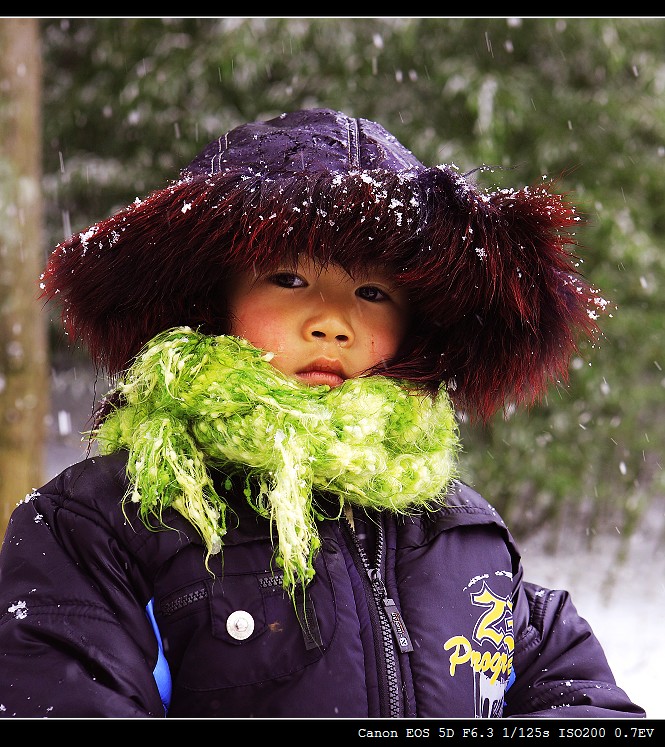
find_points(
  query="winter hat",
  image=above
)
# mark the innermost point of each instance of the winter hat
(498, 302)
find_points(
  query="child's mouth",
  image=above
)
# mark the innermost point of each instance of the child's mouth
(316, 378)
(322, 371)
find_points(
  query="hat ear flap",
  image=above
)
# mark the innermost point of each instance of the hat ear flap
(517, 302)
(126, 278)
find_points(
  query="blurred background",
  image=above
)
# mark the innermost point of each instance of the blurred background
(95, 112)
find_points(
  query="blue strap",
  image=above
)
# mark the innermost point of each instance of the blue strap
(161, 672)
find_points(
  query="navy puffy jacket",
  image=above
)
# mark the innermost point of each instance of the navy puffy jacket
(76, 574)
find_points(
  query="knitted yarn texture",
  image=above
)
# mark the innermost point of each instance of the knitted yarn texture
(194, 405)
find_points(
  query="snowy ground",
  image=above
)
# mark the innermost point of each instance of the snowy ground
(623, 601)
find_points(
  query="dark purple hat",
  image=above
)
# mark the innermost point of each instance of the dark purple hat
(497, 298)
(314, 140)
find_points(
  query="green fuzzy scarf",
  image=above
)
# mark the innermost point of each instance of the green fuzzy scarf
(194, 403)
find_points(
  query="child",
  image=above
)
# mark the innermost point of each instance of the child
(275, 527)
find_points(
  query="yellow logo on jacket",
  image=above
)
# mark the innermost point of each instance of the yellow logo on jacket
(489, 653)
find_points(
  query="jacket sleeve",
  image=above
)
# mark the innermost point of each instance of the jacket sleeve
(560, 668)
(75, 638)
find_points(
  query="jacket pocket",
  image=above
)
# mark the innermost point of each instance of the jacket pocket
(252, 631)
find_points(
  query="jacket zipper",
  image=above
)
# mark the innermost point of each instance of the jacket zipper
(387, 618)
(168, 608)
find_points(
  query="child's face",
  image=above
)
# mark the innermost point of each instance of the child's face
(322, 325)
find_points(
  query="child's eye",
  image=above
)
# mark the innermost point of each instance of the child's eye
(287, 280)
(371, 293)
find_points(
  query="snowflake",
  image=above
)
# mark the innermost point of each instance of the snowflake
(19, 610)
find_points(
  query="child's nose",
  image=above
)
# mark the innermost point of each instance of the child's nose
(341, 338)
(330, 327)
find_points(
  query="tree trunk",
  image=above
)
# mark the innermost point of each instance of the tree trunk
(24, 382)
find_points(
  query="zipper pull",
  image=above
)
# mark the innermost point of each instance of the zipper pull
(394, 617)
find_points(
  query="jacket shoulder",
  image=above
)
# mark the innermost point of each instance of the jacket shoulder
(461, 508)
(93, 481)
(462, 505)
(95, 490)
